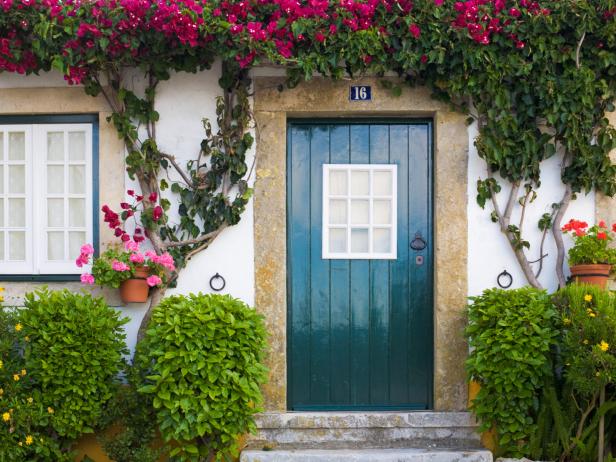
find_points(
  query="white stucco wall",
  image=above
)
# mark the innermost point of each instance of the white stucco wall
(488, 251)
(186, 99)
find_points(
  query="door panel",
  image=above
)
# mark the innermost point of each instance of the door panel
(359, 331)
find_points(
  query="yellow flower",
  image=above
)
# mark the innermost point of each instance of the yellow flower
(566, 321)
(585, 342)
(18, 327)
(20, 443)
(26, 338)
(29, 440)
(6, 416)
(30, 400)
(16, 377)
(1, 289)
(23, 372)
(604, 345)
(1, 364)
(1, 391)
(588, 298)
(590, 312)
(50, 410)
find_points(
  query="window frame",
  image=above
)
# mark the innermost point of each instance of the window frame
(326, 253)
(46, 122)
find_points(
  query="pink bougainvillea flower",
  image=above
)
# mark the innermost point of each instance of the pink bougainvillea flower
(157, 213)
(119, 266)
(515, 12)
(151, 255)
(438, 2)
(152, 197)
(87, 278)
(154, 281)
(137, 258)
(87, 249)
(415, 30)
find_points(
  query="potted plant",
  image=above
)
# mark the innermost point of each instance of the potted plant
(591, 258)
(128, 269)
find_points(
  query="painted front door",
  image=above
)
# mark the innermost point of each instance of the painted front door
(359, 248)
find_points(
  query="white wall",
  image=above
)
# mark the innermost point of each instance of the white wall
(488, 251)
(182, 102)
(186, 99)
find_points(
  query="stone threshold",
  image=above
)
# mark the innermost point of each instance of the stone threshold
(367, 455)
(360, 419)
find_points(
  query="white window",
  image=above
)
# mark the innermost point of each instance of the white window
(46, 197)
(359, 211)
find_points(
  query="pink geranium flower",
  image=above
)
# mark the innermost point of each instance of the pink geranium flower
(87, 278)
(87, 249)
(153, 280)
(119, 266)
(137, 258)
(82, 259)
(131, 246)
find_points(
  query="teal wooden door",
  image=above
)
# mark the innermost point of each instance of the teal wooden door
(360, 329)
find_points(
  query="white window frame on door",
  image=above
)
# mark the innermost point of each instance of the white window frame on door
(326, 226)
(37, 262)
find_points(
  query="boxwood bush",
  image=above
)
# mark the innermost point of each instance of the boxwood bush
(511, 334)
(75, 351)
(204, 354)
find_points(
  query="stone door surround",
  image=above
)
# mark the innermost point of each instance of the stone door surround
(323, 98)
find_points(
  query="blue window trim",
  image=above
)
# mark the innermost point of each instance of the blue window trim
(63, 119)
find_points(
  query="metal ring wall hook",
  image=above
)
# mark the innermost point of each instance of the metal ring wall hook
(218, 287)
(505, 274)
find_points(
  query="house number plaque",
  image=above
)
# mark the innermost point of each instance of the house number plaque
(360, 93)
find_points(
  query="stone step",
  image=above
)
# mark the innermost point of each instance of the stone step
(367, 455)
(360, 430)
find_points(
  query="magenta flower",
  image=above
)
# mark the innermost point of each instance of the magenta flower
(82, 259)
(87, 249)
(137, 258)
(157, 213)
(119, 266)
(415, 30)
(154, 281)
(87, 278)
(131, 246)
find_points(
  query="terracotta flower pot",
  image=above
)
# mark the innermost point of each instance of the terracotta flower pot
(591, 274)
(136, 289)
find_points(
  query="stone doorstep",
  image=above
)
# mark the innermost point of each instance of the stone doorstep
(366, 455)
(355, 430)
(395, 419)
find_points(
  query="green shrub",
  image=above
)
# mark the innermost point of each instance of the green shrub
(131, 422)
(205, 354)
(588, 341)
(74, 354)
(26, 430)
(510, 334)
(586, 365)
